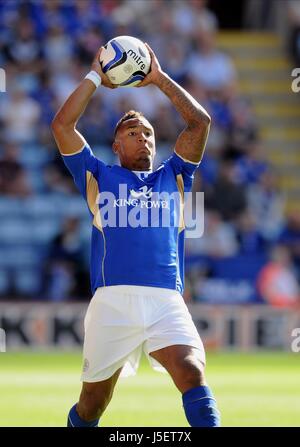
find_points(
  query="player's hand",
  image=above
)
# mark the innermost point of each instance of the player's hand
(155, 73)
(96, 66)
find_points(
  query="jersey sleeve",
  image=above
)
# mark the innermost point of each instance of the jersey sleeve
(81, 165)
(183, 167)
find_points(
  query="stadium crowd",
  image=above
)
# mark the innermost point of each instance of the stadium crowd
(250, 250)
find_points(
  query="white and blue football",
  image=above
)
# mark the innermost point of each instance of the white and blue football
(125, 60)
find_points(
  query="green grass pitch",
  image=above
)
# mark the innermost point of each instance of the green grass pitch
(258, 389)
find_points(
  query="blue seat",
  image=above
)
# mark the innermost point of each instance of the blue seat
(105, 154)
(27, 281)
(4, 282)
(33, 156)
(75, 207)
(44, 230)
(14, 255)
(56, 205)
(16, 230)
(11, 207)
(42, 206)
(36, 179)
(238, 267)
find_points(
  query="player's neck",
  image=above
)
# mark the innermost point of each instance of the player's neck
(142, 174)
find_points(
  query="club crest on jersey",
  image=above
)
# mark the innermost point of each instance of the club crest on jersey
(143, 197)
(143, 191)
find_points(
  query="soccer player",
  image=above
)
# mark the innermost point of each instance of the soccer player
(136, 270)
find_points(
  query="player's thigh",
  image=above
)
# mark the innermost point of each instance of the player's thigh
(99, 393)
(184, 363)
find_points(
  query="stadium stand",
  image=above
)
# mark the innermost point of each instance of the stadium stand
(250, 183)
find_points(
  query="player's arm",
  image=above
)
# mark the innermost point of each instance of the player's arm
(67, 137)
(191, 142)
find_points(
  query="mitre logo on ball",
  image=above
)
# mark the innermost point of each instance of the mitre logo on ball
(125, 60)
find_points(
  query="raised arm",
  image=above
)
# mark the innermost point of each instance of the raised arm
(191, 142)
(67, 137)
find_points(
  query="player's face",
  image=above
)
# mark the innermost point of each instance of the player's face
(135, 144)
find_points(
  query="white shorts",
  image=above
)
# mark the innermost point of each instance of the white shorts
(123, 321)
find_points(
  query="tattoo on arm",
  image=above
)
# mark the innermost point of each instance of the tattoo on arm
(186, 105)
(191, 142)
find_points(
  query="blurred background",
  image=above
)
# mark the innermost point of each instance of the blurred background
(243, 275)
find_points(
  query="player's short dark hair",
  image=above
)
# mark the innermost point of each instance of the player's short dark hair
(127, 116)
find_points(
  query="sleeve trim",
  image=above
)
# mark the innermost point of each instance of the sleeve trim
(187, 161)
(74, 153)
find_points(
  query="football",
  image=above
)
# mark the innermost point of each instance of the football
(125, 60)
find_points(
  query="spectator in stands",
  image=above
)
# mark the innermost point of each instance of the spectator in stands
(277, 282)
(80, 16)
(293, 9)
(175, 62)
(24, 51)
(197, 276)
(190, 16)
(243, 127)
(13, 177)
(252, 165)
(20, 116)
(65, 275)
(58, 48)
(217, 137)
(249, 239)
(96, 122)
(266, 204)
(226, 196)
(63, 82)
(209, 168)
(168, 132)
(290, 238)
(217, 241)
(212, 68)
(56, 179)
(88, 42)
(45, 96)
(45, 14)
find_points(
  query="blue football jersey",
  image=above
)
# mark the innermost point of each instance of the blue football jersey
(137, 220)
